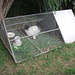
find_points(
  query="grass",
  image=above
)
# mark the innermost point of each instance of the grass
(56, 62)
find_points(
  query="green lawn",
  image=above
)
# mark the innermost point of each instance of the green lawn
(59, 62)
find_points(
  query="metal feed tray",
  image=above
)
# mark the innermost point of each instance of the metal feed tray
(48, 38)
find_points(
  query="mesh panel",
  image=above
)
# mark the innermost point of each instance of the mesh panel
(25, 51)
(48, 38)
(23, 19)
(30, 47)
(4, 36)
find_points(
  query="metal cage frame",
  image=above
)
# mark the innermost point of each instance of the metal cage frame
(7, 41)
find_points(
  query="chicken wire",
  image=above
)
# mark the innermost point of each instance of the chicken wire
(43, 43)
(48, 38)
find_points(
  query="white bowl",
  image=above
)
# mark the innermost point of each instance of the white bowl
(10, 34)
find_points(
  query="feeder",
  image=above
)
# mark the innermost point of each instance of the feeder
(10, 34)
(17, 41)
(52, 33)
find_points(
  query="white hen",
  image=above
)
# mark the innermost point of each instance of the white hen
(33, 31)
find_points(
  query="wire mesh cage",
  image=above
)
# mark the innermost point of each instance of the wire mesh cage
(49, 36)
